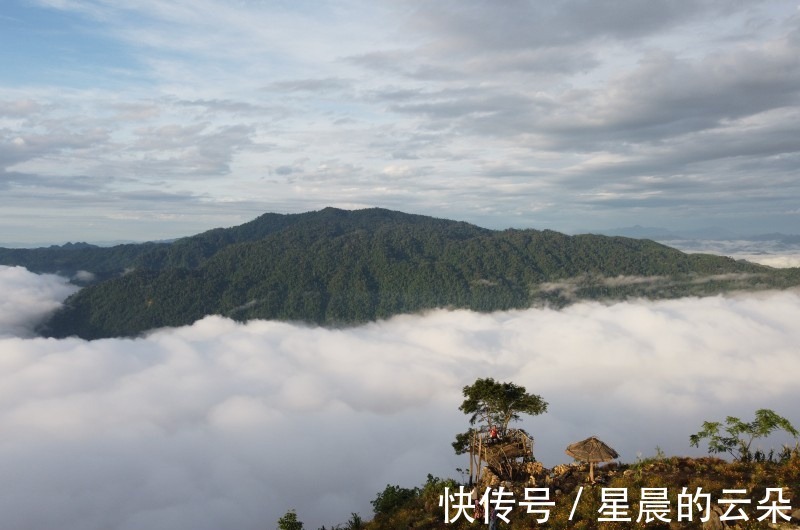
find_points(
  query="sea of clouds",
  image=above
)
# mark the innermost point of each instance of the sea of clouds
(228, 425)
(777, 254)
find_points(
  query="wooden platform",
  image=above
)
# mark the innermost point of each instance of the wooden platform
(500, 455)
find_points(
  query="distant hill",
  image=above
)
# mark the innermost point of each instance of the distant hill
(710, 233)
(786, 239)
(337, 267)
(68, 259)
(638, 232)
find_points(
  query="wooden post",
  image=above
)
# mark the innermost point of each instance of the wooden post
(471, 457)
(480, 457)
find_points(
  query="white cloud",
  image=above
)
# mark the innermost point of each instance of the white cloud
(224, 425)
(773, 253)
(27, 298)
(779, 262)
(685, 113)
(84, 276)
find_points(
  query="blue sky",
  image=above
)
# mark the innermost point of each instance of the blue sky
(161, 119)
(47, 47)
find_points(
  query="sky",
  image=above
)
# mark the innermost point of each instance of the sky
(229, 425)
(153, 120)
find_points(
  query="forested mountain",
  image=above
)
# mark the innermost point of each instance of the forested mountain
(338, 267)
(68, 259)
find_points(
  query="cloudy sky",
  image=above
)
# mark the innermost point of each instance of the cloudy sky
(150, 119)
(227, 425)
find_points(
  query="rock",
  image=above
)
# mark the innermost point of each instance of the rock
(534, 468)
(561, 469)
(713, 522)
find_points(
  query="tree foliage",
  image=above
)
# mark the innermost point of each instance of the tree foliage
(736, 437)
(391, 498)
(490, 403)
(355, 522)
(289, 521)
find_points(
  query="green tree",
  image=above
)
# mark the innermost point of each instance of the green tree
(289, 521)
(492, 403)
(738, 436)
(354, 523)
(393, 498)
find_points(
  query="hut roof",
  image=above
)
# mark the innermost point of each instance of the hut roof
(591, 450)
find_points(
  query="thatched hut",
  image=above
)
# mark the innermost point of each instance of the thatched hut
(591, 450)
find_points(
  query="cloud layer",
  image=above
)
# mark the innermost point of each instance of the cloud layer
(224, 425)
(778, 254)
(562, 115)
(27, 298)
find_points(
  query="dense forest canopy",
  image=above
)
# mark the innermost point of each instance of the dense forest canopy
(335, 267)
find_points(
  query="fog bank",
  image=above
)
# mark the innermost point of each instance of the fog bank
(228, 425)
(26, 298)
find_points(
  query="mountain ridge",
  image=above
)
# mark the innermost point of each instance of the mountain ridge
(340, 267)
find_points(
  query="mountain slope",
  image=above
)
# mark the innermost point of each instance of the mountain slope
(68, 259)
(191, 252)
(338, 267)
